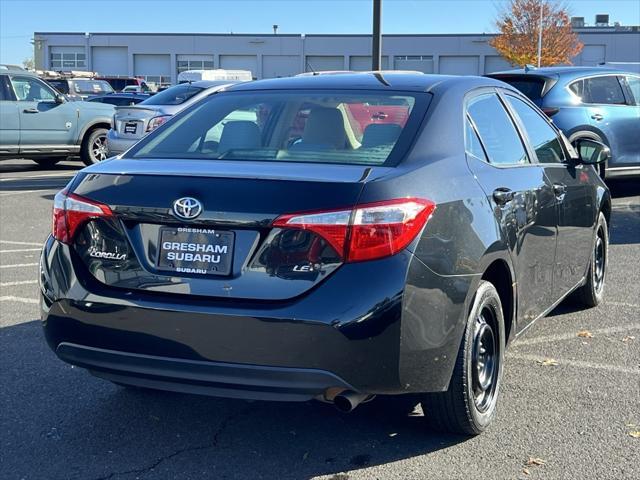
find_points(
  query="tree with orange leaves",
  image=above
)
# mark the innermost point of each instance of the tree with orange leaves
(519, 26)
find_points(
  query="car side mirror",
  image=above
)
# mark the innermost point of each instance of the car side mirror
(591, 152)
(60, 98)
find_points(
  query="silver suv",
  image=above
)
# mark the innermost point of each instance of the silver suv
(39, 123)
(132, 123)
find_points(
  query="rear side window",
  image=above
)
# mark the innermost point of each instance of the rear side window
(634, 86)
(174, 95)
(603, 90)
(531, 86)
(542, 136)
(472, 142)
(320, 126)
(497, 132)
(61, 85)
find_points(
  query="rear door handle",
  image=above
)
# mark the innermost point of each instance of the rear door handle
(503, 195)
(559, 189)
(597, 117)
(31, 110)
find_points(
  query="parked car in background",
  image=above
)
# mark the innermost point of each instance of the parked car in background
(119, 83)
(212, 75)
(594, 103)
(120, 99)
(130, 124)
(39, 123)
(80, 88)
(134, 89)
(238, 258)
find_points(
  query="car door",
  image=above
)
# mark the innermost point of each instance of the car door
(45, 124)
(522, 198)
(611, 111)
(9, 119)
(575, 191)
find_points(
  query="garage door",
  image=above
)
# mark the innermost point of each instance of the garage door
(110, 60)
(275, 66)
(240, 62)
(495, 63)
(323, 63)
(593, 55)
(458, 65)
(418, 63)
(151, 64)
(363, 63)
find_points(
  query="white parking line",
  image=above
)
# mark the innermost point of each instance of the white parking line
(31, 177)
(11, 298)
(21, 250)
(577, 364)
(35, 244)
(9, 194)
(21, 282)
(574, 335)
(18, 265)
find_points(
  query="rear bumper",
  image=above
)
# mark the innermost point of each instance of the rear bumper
(117, 145)
(204, 378)
(385, 327)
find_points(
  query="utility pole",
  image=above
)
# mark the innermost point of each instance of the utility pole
(376, 47)
(540, 34)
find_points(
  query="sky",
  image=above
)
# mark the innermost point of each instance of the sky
(20, 18)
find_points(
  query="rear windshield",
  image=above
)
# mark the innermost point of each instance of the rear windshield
(349, 127)
(60, 85)
(174, 95)
(532, 87)
(92, 86)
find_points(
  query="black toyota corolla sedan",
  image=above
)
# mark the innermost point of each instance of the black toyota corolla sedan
(331, 237)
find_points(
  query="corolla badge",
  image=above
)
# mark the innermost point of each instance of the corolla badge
(187, 208)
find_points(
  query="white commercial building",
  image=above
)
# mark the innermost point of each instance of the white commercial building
(159, 57)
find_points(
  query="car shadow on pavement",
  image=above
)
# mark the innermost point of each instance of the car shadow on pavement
(60, 422)
(17, 166)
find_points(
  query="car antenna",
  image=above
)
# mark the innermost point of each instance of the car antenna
(309, 67)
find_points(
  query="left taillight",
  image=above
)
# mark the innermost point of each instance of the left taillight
(155, 122)
(71, 211)
(368, 231)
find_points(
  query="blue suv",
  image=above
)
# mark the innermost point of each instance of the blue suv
(589, 102)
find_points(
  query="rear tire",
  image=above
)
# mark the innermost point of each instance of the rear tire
(591, 293)
(94, 146)
(469, 405)
(47, 162)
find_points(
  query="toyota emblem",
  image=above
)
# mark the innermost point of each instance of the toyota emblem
(187, 208)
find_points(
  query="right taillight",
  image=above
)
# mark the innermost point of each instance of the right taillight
(368, 231)
(71, 211)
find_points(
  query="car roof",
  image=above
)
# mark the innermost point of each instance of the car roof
(382, 80)
(567, 71)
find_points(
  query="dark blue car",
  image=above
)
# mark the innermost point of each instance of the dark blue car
(589, 102)
(120, 99)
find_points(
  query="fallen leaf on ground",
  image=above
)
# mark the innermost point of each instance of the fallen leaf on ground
(635, 434)
(585, 334)
(525, 471)
(548, 362)
(535, 461)
(628, 338)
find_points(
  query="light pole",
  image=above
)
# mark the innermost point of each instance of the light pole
(540, 34)
(376, 47)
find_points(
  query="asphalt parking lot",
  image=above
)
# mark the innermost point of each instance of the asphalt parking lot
(570, 405)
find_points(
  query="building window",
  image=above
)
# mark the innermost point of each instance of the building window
(68, 61)
(184, 65)
(155, 81)
(414, 57)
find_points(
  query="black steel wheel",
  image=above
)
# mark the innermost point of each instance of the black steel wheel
(469, 405)
(592, 292)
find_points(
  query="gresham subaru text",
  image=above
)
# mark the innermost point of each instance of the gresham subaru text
(371, 233)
